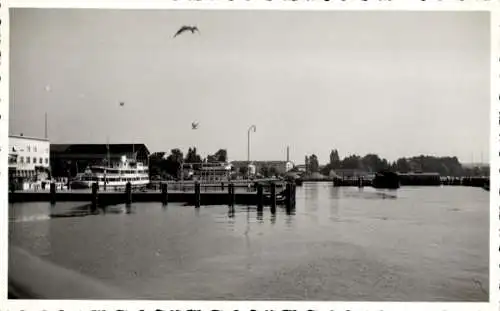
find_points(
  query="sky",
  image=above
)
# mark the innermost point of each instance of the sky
(397, 84)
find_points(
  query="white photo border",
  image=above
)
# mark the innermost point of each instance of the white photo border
(491, 6)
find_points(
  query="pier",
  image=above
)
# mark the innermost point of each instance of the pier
(259, 194)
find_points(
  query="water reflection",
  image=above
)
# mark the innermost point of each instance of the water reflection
(230, 212)
(241, 253)
(273, 218)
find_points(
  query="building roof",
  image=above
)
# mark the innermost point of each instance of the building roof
(96, 148)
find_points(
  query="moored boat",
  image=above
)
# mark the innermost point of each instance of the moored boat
(113, 177)
(386, 180)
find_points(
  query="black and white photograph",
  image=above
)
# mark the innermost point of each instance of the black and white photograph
(249, 155)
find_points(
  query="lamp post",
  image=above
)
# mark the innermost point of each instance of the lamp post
(250, 129)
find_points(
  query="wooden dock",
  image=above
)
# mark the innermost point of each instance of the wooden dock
(262, 195)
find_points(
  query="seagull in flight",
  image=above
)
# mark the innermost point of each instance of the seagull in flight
(194, 125)
(122, 104)
(193, 29)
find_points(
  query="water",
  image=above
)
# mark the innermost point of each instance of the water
(413, 244)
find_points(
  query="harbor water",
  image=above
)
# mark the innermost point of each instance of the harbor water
(412, 244)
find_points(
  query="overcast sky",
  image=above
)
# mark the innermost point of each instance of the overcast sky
(392, 83)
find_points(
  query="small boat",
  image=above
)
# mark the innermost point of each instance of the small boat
(386, 180)
(486, 186)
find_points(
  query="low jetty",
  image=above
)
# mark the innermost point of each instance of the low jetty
(260, 194)
(405, 179)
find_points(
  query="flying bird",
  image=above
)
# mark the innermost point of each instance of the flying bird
(194, 125)
(122, 104)
(193, 29)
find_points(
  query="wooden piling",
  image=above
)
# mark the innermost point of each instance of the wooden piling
(273, 198)
(230, 191)
(52, 193)
(68, 182)
(128, 194)
(164, 194)
(197, 195)
(95, 194)
(288, 197)
(222, 185)
(360, 182)
(260, 197)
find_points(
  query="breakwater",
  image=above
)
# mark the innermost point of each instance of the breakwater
(414, 179)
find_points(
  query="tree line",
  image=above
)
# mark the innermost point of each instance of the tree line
(445, 166)
(169, 166)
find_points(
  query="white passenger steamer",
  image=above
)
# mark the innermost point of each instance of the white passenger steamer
(115, 177)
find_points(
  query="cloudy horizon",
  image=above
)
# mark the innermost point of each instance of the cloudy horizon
(396, 84)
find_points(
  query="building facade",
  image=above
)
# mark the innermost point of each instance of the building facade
(28, 155)
(280, 167)
(71, 159)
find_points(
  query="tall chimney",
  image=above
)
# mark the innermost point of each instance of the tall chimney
(288, 153)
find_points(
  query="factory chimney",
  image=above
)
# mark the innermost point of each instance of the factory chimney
(288, 153)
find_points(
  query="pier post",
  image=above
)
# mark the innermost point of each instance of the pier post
(197, 194)
(288, 197)
(128, 194)
(95, 194)
(360, 182)
(222, 186)
(260, 197)
(230, 191)
(52, 193)
(68, 182)
(273, 198)
(164, 194)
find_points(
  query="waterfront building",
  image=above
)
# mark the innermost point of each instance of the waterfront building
(75, 158)
(28, 156)
(207, 171)
(280, 167)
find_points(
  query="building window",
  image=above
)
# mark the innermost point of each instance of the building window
(22, 159)
(28, 148)
(35, 149)
(40, 161)
(46, 160)
(28, 159)
(34, 160)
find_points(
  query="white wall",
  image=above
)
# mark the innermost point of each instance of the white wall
(30, 148)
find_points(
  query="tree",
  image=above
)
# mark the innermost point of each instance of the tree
(351, 162)
(221, 155)
(243, 170)
(192, 156)
(373, 163)
(273, 171)
(313, 163)
(264, 171)
(334, 160)
(173, 163)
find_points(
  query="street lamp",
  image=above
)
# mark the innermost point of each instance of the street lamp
(250, 129)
